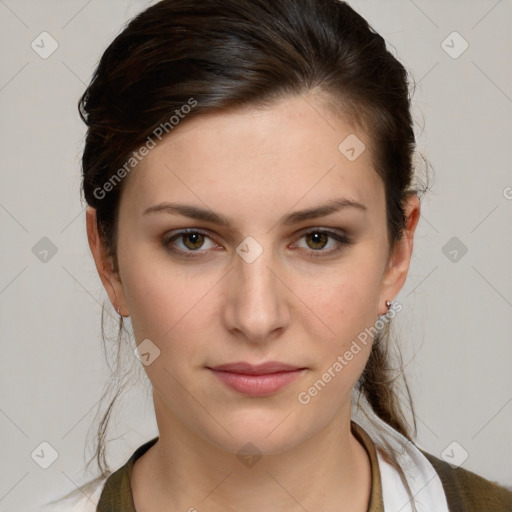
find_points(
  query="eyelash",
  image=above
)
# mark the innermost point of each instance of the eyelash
(342, 240)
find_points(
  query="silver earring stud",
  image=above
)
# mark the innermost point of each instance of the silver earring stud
(388, 304)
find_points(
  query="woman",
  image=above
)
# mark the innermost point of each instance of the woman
(248, 171)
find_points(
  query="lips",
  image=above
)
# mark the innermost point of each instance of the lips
(256, 380)
(259, 369)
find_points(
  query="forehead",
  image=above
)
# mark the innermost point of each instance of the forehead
(259, 160)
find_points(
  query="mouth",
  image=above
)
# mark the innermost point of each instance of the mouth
(257, 380)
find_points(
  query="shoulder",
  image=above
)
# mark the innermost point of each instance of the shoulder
(110, 489)
(431, 479)
(469, 491)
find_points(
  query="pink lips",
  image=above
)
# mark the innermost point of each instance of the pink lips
(256, 380)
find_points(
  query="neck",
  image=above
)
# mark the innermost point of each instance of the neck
(329, 471)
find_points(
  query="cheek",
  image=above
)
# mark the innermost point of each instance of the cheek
(348, 305)
(163, 299)
(349, 302)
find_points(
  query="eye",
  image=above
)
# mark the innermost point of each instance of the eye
(191, 241)
(318, 239)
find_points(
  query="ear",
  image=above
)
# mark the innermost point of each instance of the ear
(105, 264)
(400, 258)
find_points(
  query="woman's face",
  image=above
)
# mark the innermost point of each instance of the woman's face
(270, 284)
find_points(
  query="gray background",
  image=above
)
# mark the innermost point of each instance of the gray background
(456, 323)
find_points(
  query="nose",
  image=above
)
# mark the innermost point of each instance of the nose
(256, 305)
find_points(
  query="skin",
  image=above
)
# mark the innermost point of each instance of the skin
(254, 166)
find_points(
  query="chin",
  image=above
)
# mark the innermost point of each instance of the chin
(268, 433)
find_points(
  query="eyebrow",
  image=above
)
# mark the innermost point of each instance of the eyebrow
(207, 215)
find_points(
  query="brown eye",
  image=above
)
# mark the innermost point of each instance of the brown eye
(188, 243)
(320, 242)
(196, 240)
(318, 239)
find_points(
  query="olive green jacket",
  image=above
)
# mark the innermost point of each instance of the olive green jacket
(468, 492)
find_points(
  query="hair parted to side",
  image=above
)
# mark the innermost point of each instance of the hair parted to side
(227, 54)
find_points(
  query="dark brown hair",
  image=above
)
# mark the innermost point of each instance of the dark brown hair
(227, 54)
